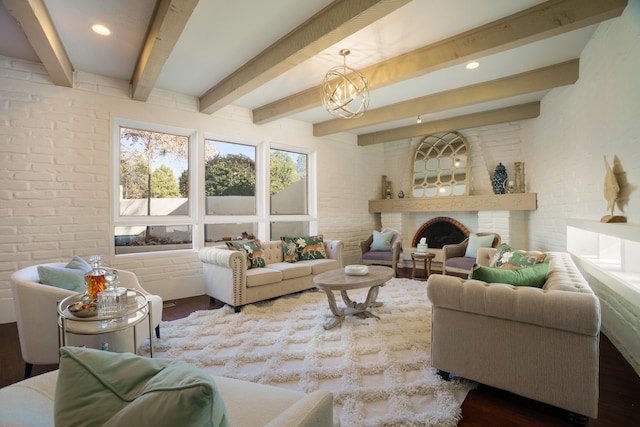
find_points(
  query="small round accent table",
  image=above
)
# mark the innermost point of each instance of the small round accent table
(338, 280)
(139, 309)
(426, 258)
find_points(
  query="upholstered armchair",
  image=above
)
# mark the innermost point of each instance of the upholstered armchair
(36, 315)
(383, 253)
(459, 258)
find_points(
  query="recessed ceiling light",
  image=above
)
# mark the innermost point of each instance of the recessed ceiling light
(472, 65)
(101, 29)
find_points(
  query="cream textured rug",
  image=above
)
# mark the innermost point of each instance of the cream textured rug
(378, 370)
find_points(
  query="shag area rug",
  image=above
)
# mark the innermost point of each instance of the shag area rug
(378, 370)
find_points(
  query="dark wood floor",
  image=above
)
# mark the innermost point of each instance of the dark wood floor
(486, 406)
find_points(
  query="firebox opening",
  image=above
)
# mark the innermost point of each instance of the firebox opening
(441, 231)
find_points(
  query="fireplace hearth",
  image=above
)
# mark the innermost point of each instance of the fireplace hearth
(441, 231)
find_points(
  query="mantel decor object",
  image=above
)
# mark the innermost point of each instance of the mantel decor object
(519, 178)
(611, 190)
(499, 179)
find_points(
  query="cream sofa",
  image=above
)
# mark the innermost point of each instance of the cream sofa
(227, 278)
(542, 344)
(30, 403)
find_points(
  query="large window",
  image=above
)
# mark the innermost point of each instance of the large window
(288, 183)
(153, 182)
(170, 196)
(229, 178)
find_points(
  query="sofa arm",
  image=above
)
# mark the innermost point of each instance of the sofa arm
(314, 410)
(221, 257)
(569, 311)
(454, 250)
(485, 255)
(334, 250)
(365, 245)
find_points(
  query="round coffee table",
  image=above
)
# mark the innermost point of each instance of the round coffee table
(337, 280)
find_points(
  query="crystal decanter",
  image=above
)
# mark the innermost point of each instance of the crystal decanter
(113, 300)
(94, 278)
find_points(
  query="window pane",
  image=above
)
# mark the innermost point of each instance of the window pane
(288, 183)
(230, 178)
(289, 229)
(216, 233)
(152, 238)
(156, 161)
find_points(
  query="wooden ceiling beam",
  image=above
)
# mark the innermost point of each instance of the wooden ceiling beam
(520, 84)
(544, 20)
(35, 21)
(332, 24)
(468, 121)
(169, 20)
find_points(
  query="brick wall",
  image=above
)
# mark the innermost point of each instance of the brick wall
(55, 197)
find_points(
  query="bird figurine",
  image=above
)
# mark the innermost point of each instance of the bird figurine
(611, 191)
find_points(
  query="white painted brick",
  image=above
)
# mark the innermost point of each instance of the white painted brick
(73, 126)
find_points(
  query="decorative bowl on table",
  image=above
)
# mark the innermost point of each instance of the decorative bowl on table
(83, 309)
(356, 270)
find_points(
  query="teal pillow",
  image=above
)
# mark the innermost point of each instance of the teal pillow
(96, 388)
(525, 276)
(508, 257)
(382, 241)
(253, 251)
(78, 263)
(476, 242)
(60, 277)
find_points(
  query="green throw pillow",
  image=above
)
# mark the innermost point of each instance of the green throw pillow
(508, 257)
(382, 241)
(524, 276)
(100, 388)
(253, 252)
(303, 248)
(60, 277)
(476, 242)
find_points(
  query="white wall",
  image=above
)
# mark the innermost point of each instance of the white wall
(564, 148)
(55, 193)
(597, 116)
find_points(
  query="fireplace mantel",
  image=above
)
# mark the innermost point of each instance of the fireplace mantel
(497, 202)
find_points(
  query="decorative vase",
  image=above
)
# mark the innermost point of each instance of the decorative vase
(499, 178)
(401, 194)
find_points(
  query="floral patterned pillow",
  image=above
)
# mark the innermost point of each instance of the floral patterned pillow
(303, 248)
(253, 252)
(508, 257)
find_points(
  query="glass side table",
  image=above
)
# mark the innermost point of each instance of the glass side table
(138, 310)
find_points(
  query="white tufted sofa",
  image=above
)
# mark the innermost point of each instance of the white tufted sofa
(539, 343)
(227, 278)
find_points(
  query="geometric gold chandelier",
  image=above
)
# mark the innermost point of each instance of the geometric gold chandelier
(345, 91)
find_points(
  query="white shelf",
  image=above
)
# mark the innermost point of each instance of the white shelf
(622, 230)
(609, 252)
